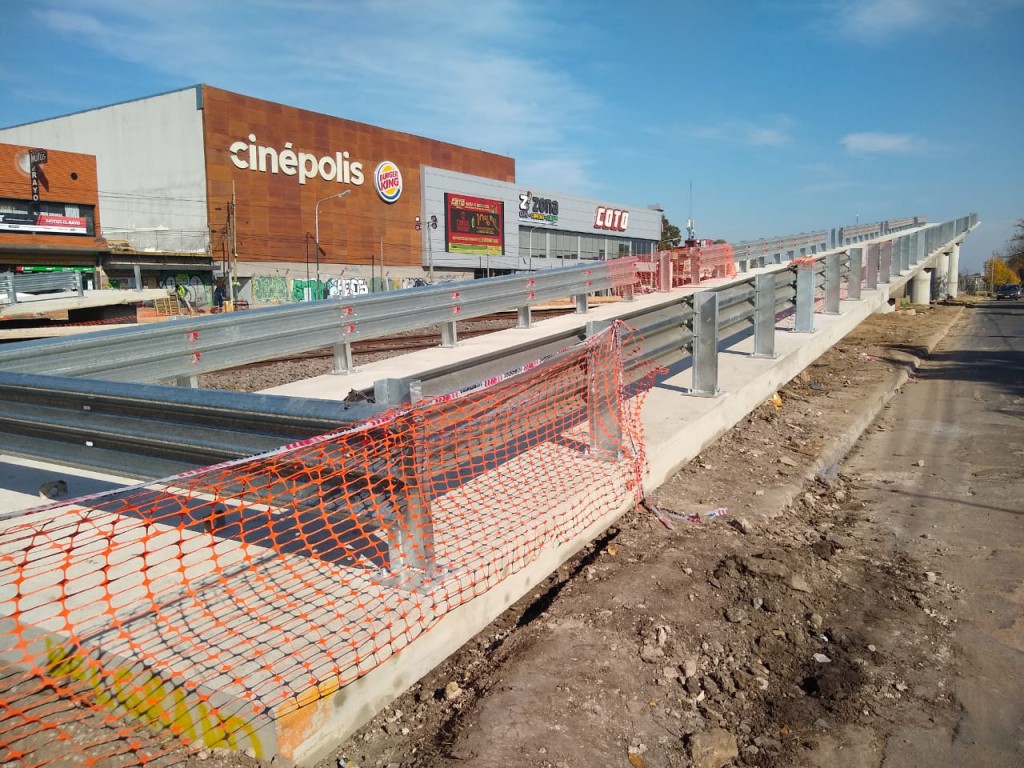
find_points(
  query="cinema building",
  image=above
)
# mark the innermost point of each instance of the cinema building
(202, 183)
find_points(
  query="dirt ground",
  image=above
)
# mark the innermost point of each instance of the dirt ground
(785, 632)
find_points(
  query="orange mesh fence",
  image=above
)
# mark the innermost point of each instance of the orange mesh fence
(202, 609)
(688, 265)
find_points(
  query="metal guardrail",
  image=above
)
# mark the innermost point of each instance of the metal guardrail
(761, 253)
(145, 430)
(154, 431)
(183, 349)
(11, 284)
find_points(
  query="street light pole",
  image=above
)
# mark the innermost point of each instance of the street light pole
(530, 251)
(316, 229)
(430, 224)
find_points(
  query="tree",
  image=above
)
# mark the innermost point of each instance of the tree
(997, 272)
(1013, 255)
(671, 237)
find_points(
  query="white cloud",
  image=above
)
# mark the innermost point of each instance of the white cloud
(430, 68)
(878, 21)
(772, 132)
(881, 143)
(561, 173)
(827, 186)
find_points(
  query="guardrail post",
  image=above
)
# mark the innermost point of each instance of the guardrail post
(705, 344)
(188, 381)
(604, 393)
(871, 273)
(524, 317)
(581, 303)
(833, 268)
(628, 292)
(885, 261)
(805, 279)
(855, 274)
(397, 391)
(7, 282)
(411, 539)
(449, 335)
(664, 271)
(343, 358)
(764, 315)
(78, 284)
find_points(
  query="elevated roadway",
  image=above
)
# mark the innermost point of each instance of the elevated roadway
(679, 422)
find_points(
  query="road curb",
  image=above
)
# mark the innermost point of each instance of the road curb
(827, 462)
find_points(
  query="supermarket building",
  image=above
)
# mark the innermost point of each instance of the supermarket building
(200, 183)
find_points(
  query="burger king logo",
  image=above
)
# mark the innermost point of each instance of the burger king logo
(388, 180)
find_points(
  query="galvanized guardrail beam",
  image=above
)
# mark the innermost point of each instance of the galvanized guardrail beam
(152, 431)
(181, 349)
(135, 429)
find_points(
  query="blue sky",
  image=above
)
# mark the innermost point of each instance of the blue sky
(785, 115)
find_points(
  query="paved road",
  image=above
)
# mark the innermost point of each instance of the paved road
(961, 512)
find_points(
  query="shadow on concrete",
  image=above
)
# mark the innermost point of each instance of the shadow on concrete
(960, 502)
(19, 478)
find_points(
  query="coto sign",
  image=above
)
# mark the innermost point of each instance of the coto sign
(611, 218)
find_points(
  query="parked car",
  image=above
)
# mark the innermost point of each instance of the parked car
(1011, 291)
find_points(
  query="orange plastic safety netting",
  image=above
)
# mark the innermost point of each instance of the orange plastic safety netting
(687, 265)
(201, 608)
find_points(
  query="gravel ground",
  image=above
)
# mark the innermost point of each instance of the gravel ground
(254, 378)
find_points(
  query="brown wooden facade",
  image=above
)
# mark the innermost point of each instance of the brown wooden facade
(275, 214)
(65, 177)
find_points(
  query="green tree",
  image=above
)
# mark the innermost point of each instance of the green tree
(671, 237)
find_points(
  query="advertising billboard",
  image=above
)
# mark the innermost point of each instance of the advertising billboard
(19, 216)
(474, 225)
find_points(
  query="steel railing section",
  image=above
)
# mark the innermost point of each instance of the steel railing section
(77, 418)
(11, 284)
(146, 430)
(193, 346)
(776, 249)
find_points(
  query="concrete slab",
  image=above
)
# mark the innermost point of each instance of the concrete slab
(62, 302)
(24, 481)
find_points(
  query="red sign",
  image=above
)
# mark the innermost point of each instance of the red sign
(611, 218)
(475, 225)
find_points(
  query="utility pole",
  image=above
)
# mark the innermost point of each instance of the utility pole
(429, 224)
(233, 265)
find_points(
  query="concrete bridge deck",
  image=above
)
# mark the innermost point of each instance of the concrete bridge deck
(298, 695)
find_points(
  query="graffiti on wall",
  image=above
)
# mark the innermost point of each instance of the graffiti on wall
(270, 289)
(347, 286)
(197, 287)
(153, 700)
(279, 289)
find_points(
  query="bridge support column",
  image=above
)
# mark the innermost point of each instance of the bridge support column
(921, 287)
(953, 275)
(940, 279)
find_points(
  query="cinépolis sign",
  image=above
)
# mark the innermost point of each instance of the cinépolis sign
(252, 156)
